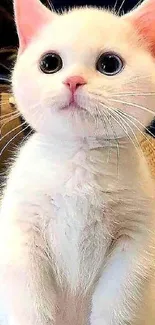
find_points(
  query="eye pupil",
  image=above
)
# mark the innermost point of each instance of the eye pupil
(109, 64)
(50, 63)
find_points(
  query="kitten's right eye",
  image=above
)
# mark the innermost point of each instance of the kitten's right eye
(50, 63)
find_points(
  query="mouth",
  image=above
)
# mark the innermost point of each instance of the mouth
(73, 107)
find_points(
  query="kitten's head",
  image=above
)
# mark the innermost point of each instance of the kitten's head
(87, 72)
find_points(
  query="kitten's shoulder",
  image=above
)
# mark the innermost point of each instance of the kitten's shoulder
(25, 161)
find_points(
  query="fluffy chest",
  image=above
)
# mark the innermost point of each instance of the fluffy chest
(78, 233)
(68, 201)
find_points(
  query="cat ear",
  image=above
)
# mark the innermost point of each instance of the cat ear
(30, 17)
(143, 19)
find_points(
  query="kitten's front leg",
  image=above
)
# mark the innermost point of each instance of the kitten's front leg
(26, 283)
(116, 299)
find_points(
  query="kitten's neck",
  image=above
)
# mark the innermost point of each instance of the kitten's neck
(115, 153)
(116, 163)
(85, 143)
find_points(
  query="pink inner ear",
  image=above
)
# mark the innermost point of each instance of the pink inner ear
(30, 17)
(143, 19)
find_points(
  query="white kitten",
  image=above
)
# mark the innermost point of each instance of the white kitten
(77, 216)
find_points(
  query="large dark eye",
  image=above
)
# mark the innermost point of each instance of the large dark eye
(50, 63)
(109, 64)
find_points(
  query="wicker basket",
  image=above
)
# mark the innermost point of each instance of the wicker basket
(8, 130)
(148, 147)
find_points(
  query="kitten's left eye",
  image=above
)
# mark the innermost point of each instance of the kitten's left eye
(50, 63)
(109, 64)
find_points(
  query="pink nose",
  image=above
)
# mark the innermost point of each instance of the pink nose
(74, 82)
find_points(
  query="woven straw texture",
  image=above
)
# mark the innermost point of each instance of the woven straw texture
(148, 147)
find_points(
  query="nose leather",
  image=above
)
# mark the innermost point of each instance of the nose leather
(74, 82)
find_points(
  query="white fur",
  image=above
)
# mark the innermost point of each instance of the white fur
(77, 216)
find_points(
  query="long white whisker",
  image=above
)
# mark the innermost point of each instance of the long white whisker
(138, 78)
(132, 94)
(104, 118)
(122, 94)
(139, 130)
(133, 105)
(99, 114)
(130, 81)
(132, 131)
(51, 7)
(16, 128)
(8, 114)
(14, 137)
(26, 136)
(124, 129)
(115, 136)
(7, 120)
(134, 118)
(137, 4)
(121, 6)
(115, 6)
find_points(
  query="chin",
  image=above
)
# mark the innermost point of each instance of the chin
(66, 125)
